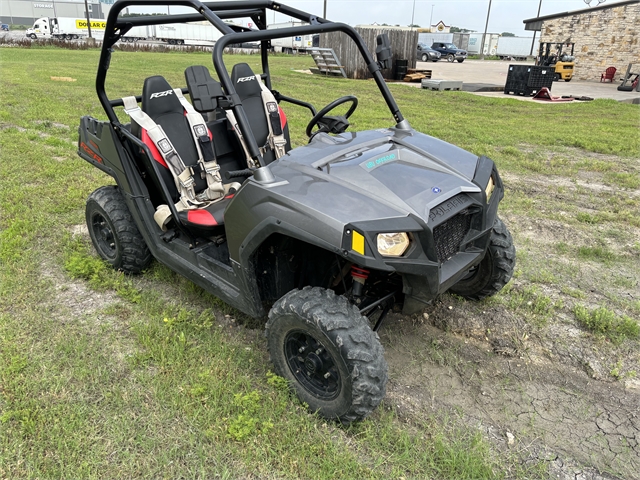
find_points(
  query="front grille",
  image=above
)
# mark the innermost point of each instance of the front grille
(448, 235)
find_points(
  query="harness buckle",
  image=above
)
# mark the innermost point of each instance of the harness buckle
(186, 178)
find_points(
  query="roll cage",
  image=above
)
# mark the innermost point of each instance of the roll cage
(215, 13)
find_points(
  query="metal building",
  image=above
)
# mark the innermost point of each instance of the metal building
(25, 12)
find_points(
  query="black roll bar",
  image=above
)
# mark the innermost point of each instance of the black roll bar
(214, 12)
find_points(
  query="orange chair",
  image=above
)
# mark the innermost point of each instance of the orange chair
(608, 74)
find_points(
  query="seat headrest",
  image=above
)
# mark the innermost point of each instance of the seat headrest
(158, 97)
(245, 81)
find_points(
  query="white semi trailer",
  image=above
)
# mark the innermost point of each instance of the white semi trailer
(515, 48)
(297, 44)
(175, 34)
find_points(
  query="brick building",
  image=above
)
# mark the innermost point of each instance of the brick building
(604, 36)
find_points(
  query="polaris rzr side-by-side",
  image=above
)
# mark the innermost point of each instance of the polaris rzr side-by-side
(321, 240)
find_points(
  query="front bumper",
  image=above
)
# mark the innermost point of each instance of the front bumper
(443, 248)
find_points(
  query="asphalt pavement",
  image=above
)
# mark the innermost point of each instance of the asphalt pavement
(489, 75)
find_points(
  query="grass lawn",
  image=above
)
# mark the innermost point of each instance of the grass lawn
(108, 376)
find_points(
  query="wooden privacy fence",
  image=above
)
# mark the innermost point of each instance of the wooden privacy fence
(403, 47)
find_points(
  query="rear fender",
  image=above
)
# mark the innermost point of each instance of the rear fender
(96, 145)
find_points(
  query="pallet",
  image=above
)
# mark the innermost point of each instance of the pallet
(442, 85)
(415, 75)
(425, 72)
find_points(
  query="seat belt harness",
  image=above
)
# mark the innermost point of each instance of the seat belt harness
(209, 167)
(276, 138)
(182, 175)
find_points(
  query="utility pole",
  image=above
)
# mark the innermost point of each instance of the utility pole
(484, 35)
(533, 42)
(431, 18)
(86, 11)
(413, 12)
(324, 13)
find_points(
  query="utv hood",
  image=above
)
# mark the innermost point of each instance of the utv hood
(395, 173)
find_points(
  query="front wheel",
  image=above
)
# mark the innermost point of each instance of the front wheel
(495, 269)
(113, 232)
(327, 352)
(568, 79)
(461, 60)
(33, 36)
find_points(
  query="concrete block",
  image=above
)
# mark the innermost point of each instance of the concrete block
(442, 84)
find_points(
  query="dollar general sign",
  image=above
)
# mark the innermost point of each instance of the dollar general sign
(97, 24)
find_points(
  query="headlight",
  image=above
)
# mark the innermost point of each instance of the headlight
(393, 244)
(489, 188)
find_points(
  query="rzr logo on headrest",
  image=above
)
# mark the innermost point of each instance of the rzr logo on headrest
(161, 94)
(246, 79)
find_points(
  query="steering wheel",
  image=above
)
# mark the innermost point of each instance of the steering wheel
(317, 118)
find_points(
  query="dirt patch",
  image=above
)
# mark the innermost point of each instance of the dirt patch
(493, 374)
(520, 367)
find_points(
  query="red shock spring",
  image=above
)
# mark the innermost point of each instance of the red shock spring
(357, 272)
(359, 276)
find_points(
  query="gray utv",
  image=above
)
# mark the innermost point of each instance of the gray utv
(321, 240)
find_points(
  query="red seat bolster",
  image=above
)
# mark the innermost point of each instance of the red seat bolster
(283, 117)
(201, 217)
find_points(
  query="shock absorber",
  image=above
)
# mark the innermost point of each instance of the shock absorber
(359, 276)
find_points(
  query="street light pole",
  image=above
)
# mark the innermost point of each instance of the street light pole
(484, 35)
(324, 13)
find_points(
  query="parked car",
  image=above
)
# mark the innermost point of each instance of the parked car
(450, 51)
(427, 54)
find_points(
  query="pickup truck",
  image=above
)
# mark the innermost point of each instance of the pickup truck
(450, 51)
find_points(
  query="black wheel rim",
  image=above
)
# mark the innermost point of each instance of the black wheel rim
(103, 234)
(312, 365)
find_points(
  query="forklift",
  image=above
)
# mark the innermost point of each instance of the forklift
(562, 62)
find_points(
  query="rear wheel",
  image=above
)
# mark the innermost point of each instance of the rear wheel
(495, 269)
(425, 57)
(326, 350)
(568, 79)
(451, 57)
(113, 232)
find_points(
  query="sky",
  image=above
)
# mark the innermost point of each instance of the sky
(505, 15)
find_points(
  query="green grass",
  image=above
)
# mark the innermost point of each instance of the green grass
(603, 322)
(103, 375)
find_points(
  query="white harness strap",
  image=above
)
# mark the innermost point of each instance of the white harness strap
(209, 167)
(182, 175)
